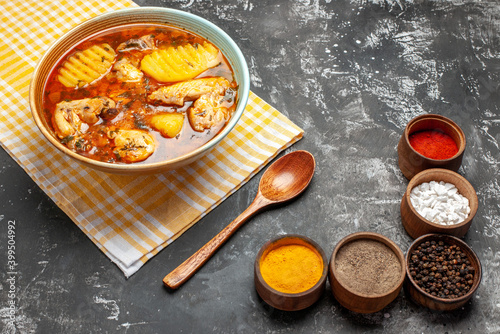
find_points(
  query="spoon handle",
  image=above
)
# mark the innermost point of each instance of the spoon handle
(189, 267)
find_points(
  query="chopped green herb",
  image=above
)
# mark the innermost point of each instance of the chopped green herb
(139, 122)
(80, 144)
(67, 139)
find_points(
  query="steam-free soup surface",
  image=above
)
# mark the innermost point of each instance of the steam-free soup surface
(140, 93)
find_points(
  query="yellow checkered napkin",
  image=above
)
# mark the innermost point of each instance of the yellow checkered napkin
(129, 218)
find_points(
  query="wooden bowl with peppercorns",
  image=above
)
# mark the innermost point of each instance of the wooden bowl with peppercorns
(442, 272)
(417, 222)
(433, 149)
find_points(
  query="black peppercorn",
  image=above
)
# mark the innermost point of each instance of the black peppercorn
(441, 269)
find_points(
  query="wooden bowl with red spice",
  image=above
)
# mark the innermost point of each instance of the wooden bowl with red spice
(417, 225)
(367, 271)
(442, 272)
(430, 141)
(290, 272)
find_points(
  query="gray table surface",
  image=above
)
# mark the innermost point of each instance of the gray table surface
(351, 74)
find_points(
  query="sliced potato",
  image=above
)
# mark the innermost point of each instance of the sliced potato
(169, 125)
(86, 66)
(180, 63)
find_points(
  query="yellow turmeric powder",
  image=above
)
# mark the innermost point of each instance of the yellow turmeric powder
(291, 268)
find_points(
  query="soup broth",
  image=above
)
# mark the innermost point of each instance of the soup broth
(118, 96)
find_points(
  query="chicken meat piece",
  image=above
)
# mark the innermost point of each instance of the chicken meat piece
(143, 43)
(189, 90)
(132, 145)
(69, 116)
(127, 72)
(207, 112)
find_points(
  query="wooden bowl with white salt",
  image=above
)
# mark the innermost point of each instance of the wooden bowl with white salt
(437, 206)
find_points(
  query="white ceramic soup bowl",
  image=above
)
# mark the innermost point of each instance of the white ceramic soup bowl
(153, 15)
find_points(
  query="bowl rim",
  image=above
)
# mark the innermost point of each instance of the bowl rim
(442, 119)
(413, 183)
(122, 167)
(307, 240)
(463, 244)
(370, 236)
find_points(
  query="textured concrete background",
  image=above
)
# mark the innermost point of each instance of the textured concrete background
(351, 73)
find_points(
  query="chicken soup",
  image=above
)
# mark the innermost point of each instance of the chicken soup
(140, 92)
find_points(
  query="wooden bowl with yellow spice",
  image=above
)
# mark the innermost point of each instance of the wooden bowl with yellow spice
(367, 271)
(290, 272)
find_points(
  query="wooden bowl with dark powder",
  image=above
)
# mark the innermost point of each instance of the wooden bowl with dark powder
(366, 272)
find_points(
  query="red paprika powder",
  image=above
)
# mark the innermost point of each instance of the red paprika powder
(433, 144)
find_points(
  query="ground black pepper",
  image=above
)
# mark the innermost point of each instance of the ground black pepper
(441, 270)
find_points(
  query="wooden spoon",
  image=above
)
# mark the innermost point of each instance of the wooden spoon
(284, 180)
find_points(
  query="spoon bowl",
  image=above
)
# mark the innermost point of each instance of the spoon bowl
(284, 180)
(287, 178)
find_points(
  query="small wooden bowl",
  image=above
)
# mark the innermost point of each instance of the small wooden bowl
(435, 303)
(416, 225)
(289, 301)
(354, 300)
(411, 162)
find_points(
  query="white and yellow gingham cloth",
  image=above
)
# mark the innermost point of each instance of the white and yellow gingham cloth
(129, 218)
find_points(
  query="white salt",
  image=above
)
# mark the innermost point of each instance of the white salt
(440, 203)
